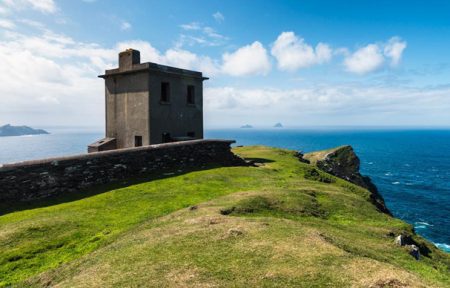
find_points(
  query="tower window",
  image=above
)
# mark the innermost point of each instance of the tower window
(165, 92)
(137, 141)
(191, 94)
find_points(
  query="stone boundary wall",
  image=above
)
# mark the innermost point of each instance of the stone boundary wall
(24, 181)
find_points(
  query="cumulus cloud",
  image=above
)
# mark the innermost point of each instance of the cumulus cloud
(60, 75)
(394, 50)
(148, 52)
(372, 57)
(44, 6)
(293, 53)
(188, 60)
(365, 59)
(218, 17)
(53, 90)
(251, 59)
(172, 57)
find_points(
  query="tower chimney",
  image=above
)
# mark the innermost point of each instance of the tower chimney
(128, 58)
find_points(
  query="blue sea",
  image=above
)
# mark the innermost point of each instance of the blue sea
(411, 168)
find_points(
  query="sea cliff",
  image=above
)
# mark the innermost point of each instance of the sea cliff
(344, 163)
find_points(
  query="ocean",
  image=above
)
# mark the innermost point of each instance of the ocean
(411, 168)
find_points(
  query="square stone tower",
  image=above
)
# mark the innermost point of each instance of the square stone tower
(148, 103)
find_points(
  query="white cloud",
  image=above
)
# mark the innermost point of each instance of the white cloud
(364, 60)
(373, 56)
(190, 40)
(124, 26)
(218, 17)
(148, 52)
(196, 33)
(54, 89)
(210, 32)
(345, 104)
(188, 60)
(3, 10)
(44, 6)
(394, 50)
(191, 26)
(7, 24)
(60, 76)
(293, 53)
(32, 23)
(172, 57)
(248, 60)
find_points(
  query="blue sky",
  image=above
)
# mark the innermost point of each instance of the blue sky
(302, 63)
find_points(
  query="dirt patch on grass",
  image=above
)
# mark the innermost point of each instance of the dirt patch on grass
(366, 272)
(187, 277)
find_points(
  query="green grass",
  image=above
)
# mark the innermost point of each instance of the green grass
(281, 224)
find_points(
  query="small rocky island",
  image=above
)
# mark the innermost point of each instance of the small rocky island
(9, 130)
(247, 126)
(278, 125)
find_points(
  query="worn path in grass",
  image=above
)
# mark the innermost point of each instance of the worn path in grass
(281, 224)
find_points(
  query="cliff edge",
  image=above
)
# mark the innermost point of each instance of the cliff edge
(343, 162)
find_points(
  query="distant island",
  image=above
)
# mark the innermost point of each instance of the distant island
(246, 126)
(9, 130)
(278, 125)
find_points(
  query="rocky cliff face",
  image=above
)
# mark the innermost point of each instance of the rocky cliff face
(343, 162)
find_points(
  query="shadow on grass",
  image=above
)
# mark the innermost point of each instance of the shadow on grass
(15, 206)
(259, 160)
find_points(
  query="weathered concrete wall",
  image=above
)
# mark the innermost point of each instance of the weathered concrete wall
(43, 178)
(177, 117)
(127, 108)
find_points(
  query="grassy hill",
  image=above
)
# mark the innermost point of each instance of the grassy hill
(283, 223)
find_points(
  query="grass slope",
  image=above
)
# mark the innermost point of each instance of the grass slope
(281, 224)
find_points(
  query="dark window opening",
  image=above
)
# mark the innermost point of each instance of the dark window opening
(137, 141)
(166, 138)
(165, 92)
(191, 94)
(191, 134)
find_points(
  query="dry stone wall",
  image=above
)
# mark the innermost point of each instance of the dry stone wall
(30, 180)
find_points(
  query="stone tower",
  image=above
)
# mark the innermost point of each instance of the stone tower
(148, 103)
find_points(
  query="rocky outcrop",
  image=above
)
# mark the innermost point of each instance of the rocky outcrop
(343, 162)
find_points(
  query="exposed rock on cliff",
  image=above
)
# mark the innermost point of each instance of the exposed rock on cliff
(344, 163)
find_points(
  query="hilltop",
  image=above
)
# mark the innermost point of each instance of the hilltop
(9, 130)
(280, 222)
